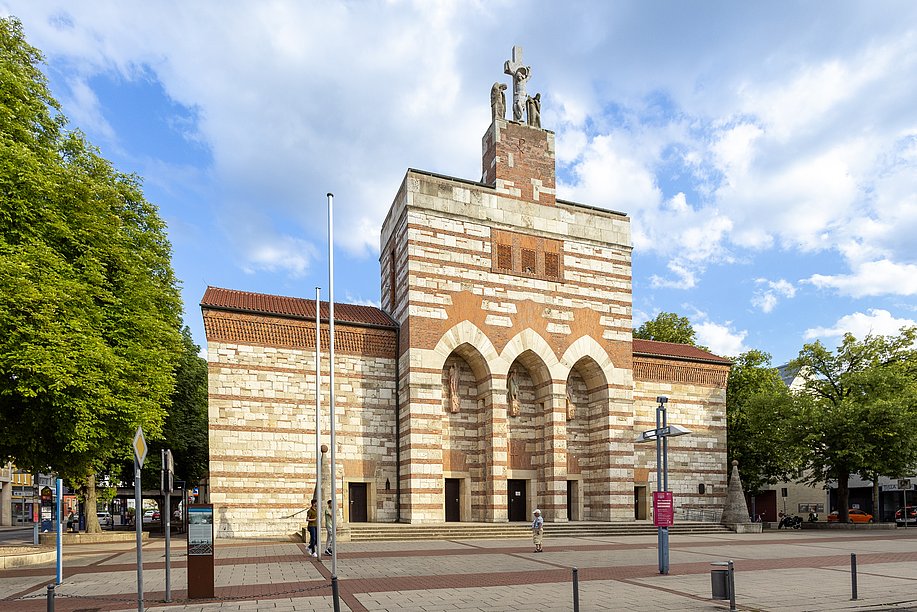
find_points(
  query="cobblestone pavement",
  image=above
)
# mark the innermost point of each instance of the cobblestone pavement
(797, 571)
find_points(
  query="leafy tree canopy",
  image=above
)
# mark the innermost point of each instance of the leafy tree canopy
(89, 304)
(759, 414)
(667, 327)
(859, 409)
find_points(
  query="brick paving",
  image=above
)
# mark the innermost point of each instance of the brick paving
(776, 571)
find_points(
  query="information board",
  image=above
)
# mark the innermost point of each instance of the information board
(200, 530)
(663, 508)
(200, 551)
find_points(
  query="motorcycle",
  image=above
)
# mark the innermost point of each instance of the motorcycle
(813, 517)
(789, 521)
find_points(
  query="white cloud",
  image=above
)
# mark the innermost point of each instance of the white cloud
(874, 322)
(769, 293)
(721, 338)
(871, 278)
(288, 255)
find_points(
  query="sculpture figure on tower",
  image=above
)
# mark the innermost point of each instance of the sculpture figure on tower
(498, 101)
(520, 74)
(533, 110)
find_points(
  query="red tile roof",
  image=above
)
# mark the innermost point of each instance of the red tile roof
(652, 348)
(262, 303)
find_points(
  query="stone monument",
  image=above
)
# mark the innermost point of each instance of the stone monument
(735, 512)
(497, 101)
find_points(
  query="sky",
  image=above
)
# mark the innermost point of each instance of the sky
(765, 152)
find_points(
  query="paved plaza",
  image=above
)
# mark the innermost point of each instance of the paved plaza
(777, 570)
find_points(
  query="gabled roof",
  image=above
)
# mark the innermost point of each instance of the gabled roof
(297, 308)
(652, 348)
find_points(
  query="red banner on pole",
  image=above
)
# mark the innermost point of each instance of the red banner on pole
(663, 509)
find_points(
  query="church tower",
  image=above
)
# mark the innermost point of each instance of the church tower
(515, 386)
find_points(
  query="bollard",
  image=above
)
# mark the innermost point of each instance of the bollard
(575, 590)
(853, 576)
(335, 594)
(732, 586)
(50, 598)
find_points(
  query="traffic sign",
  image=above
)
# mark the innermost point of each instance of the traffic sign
(140, 447)
(904, 484)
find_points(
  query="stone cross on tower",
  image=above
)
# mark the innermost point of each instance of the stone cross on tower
(520, 74)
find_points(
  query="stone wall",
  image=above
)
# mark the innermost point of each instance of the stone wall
(697, 401)
(262, 420)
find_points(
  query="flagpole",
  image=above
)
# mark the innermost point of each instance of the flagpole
(318, 421)
(334, 505)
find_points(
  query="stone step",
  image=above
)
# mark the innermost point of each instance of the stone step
(374, 532)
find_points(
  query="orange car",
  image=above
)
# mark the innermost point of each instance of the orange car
(853, 516)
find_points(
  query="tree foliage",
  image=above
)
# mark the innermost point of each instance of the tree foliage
(89, 305)
(859, 409)
(667, 327)
(759, 417)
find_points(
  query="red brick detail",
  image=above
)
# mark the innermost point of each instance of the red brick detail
(242, 328)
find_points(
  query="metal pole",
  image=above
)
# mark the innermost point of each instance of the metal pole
(59, 492)
(167, 508)
(138, 526)
(318, 422)
(660, 531)
(50, 598)
(853, 576)
(335, 591)
(334, 503)
(731, 575)
(665, 487)
(575, 590)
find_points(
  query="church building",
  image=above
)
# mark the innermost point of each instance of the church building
(499, 375)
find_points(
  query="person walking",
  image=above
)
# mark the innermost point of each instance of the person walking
(312, 523)
(537, 530)
(329, 528)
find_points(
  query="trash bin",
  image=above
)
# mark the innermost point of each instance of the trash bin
(719, 584)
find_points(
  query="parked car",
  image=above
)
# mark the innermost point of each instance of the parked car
(105, 519)
(151, 516)
(901, 519)
(853, 516)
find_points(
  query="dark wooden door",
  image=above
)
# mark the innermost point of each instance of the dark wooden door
(453, 507)
(517, 506)
(358, 509)
(570, 498)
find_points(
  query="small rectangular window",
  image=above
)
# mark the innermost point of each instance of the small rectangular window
(528, 261)
(550, 265)
(505, 256)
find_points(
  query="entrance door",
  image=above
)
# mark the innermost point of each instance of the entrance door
(453, 507)
(571, 500)
(640, 503)
(358, 509)
(517, 506)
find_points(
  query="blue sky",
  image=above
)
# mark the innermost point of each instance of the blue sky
(766, 152)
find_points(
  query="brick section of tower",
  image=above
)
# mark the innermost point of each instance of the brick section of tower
(519, 161)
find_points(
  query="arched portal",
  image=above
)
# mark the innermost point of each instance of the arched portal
(464, 404)
(586, 408)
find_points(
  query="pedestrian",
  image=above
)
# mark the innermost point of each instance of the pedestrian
(70, 519)
(329, 528)
(537, 530)
(312, 523)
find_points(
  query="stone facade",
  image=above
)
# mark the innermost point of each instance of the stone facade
(518, 382)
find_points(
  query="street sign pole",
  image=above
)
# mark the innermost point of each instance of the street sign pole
(167, 510)
(59, 578)
(140, 451)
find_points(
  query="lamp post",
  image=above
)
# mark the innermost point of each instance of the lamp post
(663, 504)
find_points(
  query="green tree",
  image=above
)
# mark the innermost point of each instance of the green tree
(759, 417)
(89, 305)
(667, 327)
(859, 409)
